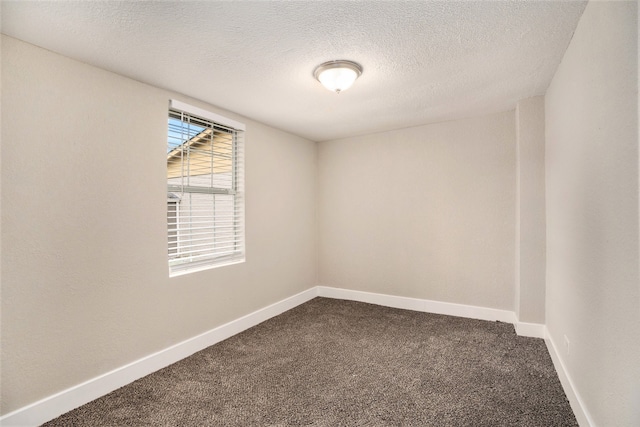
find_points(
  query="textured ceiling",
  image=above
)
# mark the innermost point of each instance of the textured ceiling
(423, 61)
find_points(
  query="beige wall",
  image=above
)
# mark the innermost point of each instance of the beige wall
(593, 283)
(425, 212)
(530, 211)
(85, 283)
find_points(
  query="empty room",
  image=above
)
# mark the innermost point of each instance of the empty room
(324, 213)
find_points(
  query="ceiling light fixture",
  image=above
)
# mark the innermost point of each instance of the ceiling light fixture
(337, 75)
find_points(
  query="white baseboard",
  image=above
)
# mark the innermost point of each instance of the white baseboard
(66, 400)
(579, 409)
(416, 304)
(533, 330)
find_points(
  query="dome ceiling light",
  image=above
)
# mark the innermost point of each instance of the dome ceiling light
(337, 75)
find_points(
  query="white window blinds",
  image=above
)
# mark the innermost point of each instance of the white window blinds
(205, 190)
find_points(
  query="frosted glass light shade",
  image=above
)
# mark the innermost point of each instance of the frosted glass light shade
(337, 75)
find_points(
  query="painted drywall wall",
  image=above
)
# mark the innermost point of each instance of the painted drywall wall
(425, 212)
(593, 282)
(530, 211)
(85, 284)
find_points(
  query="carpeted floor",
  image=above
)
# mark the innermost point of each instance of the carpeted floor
(341, 363)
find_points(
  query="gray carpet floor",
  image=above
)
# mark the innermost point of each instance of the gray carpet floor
(341, 363)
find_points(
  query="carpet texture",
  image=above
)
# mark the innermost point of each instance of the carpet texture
(341, 363)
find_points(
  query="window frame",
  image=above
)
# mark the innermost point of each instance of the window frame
(208, 254)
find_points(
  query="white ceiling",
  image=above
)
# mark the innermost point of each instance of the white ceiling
(423, 61)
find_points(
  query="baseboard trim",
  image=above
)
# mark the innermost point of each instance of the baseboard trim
(66, 400)
(533, 330)
(577, 405)
(71, 398)
(416, 304)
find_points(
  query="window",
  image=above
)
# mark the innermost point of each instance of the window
(205, 194)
